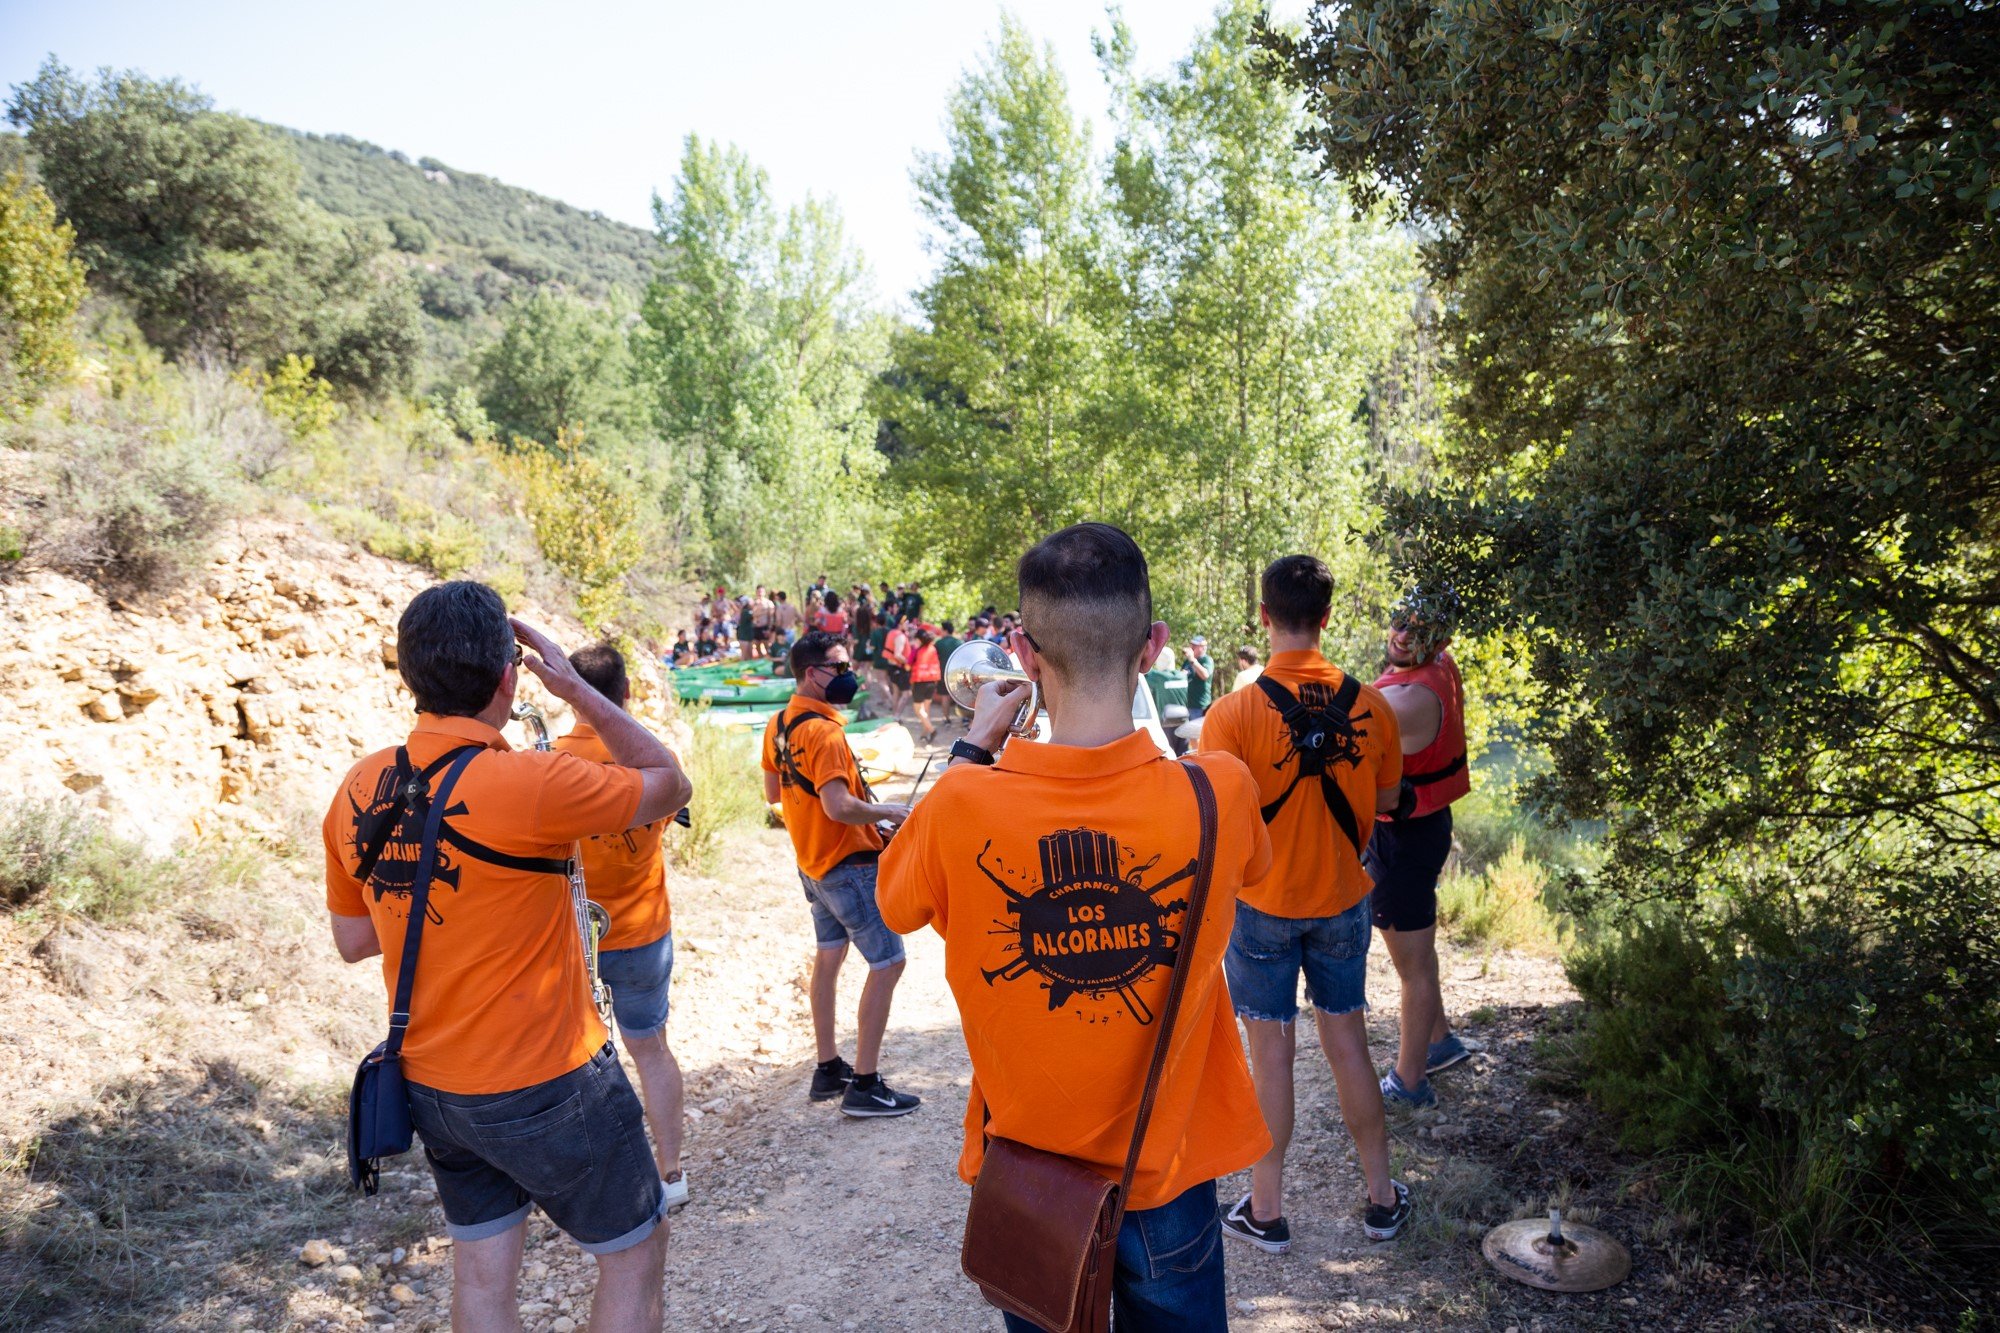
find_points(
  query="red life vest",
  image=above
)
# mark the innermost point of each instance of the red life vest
(926, 667)
(1438, 771)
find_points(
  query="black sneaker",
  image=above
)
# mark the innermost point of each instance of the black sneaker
(1274, 1237)
(831, 1080)
(1382, 1222)
(878, 1098)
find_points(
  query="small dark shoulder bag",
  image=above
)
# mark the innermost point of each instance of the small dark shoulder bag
(378, 1108)
(1041, 1237)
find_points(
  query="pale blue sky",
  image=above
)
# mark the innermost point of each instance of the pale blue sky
(589, 101)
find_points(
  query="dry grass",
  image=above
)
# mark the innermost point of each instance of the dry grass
(179, 1129)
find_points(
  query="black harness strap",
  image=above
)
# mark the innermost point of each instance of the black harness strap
(791, 765)
(405, 773)
(1307, 726)
(1426, 779)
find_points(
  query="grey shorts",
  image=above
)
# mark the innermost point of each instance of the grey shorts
(576, 1145)
(844, 910)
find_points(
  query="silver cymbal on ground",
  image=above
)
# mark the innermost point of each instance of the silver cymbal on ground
(1556, 1256)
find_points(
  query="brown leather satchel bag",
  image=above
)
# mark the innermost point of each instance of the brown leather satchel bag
(1041, 1237)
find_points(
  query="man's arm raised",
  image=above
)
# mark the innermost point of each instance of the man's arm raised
(667, 787)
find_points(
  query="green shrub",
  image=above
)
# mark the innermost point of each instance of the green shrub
(1820, 1057)
(1503, 906)
(55, 855)
(131, 504)
(728, 791)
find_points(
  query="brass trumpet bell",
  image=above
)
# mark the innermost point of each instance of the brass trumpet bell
(979, 662)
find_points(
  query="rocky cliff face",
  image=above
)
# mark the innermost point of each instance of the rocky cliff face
(240, 699)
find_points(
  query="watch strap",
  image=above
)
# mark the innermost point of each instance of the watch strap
(964, 749)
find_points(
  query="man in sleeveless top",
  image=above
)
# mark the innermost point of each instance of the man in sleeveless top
(1409, 848)
(1059, 879)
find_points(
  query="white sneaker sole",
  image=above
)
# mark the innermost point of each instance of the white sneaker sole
(864, 1113)
(1267, 1246)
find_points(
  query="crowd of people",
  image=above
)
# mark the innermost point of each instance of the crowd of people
(1315, 811)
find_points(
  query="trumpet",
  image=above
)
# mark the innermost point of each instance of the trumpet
(980, 662)
(593, 923)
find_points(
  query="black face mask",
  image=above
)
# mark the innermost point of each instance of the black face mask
(842, 688)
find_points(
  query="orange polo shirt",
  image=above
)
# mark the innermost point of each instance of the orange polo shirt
(1315, 870)
(625, 873)
(500, 1000)
(821, 752)
(1059, 881)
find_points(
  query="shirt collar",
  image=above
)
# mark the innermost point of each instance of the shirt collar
(819, 706)
(460, 728)
(1079, 761)
(583, 731)
(1297, 657)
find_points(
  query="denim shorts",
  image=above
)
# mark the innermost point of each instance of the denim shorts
(638, 979)
(576, 1145)
(843, 909)
(1267, 953)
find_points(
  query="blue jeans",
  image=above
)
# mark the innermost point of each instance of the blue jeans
(1169, 1274)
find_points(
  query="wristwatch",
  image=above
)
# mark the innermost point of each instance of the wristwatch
(964, 749)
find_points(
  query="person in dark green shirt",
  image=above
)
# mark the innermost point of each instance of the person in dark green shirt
(1200, 669)
(948, 644)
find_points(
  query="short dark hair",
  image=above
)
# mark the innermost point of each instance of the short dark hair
(831, 599)
(1297, 591)
(779, 594)
(453, 645)
(948, 628)
(603, 666)
(1087, 598)
(811, 650)
(1247, 655)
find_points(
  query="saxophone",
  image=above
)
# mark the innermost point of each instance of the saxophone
(593, 923)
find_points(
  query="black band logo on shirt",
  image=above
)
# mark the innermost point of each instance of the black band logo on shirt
(1088, 927)
(395, 871)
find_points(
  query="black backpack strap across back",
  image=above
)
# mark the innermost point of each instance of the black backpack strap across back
(1306, 727)
(405, 772)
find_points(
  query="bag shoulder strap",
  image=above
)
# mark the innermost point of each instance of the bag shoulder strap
(1204, 873)
(420, 899)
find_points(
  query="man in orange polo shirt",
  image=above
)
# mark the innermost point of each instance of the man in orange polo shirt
(1058, 877)
(514, 1087)
(833, 819)
(1326, 754)
(627, 876)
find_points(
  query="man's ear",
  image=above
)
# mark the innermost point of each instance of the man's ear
(1324, 616)
(1264, 615)
(1025, 651)
(1156, 643)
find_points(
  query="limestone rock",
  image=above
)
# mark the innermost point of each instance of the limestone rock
(315, 1253)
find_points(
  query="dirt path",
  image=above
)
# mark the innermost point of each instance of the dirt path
(180, 1169)
(804, 1219)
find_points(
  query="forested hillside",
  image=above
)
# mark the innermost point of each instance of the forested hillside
(472, 240)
